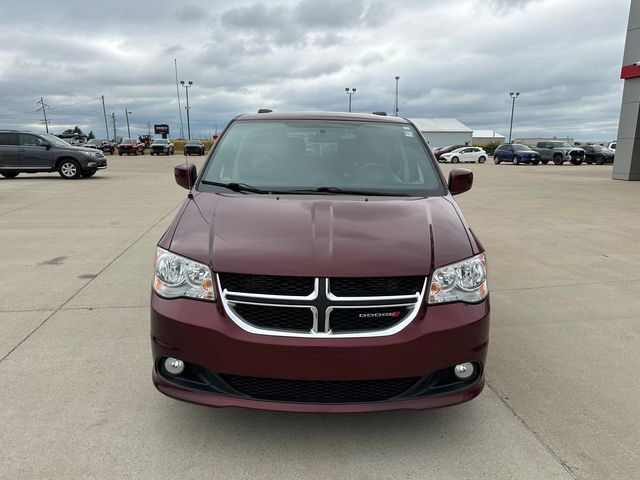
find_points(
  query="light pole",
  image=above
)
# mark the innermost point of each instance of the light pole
(186, 86)
(350, 92)
(513, 105)
(127, 113)
(397, 78)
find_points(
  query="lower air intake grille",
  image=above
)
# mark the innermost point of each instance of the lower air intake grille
(315, 391)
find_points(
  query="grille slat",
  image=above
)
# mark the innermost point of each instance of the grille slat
(316, 391)
(267, 284)
(375, 286)
(276, 318)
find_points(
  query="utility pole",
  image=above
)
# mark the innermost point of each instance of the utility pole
(396, 109)
(186, 86)
(113, 118)
(149, 129)
(175, 62)
(127, 112)
(43, 107)
(104, 112)
(513, 104)
(350, 93)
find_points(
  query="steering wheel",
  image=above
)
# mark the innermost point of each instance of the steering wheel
(376, 173)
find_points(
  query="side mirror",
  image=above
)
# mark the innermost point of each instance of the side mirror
(186, 174)
(460, 180)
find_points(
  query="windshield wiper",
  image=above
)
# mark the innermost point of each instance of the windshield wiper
(346, 191)
(238, 187)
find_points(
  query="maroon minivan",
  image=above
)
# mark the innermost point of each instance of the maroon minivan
(320, 264)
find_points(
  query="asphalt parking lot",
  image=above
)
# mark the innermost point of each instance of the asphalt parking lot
(561, 400)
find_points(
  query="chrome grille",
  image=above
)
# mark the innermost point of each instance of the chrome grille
(311, 307)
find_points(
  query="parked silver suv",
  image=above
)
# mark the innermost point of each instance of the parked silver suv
(25, 152)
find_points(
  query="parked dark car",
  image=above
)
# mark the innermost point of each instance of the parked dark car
(131, 145)
(515, 153)
(598, 154)
(101, 144)
(194, 147)
(448, 149)
(161, 146)
(320, 264)
(26, 152)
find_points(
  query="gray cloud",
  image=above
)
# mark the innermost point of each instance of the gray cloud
(455, 58)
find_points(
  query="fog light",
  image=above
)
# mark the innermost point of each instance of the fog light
(464, 370)
(174, 366)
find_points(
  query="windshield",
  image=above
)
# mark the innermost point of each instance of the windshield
(520, 147)
(55, 141)
(310, 154)
(599, 148)
(160, 142)
(561, 145)
(129, 140)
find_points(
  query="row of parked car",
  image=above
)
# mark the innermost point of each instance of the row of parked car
(557, 152)
(135, 146)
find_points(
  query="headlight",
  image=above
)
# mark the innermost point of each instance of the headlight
(464, 281)
(176, 276)
(91, 154)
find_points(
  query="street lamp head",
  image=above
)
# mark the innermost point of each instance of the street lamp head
(346, 89)
(353, 90)
(397, 77)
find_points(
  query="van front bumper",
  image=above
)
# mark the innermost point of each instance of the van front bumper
(227, 366)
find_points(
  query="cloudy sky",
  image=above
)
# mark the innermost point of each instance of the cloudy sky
(455, 58)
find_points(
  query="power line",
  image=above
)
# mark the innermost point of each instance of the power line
(74, 104)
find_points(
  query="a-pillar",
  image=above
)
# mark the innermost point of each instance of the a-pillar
(627, 161)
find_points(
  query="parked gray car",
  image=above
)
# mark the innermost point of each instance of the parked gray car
(25, 152)
(559, 152)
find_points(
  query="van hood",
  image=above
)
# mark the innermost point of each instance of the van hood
(321, 236)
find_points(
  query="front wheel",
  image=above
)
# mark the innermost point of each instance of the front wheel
(89, 173)
(69, 169)
(496, 160)
(515, 160)
(455, 160)
(558, 160)
(482, 159)
(9, 174)
(535, 162)
(545, 162)
(599, 160)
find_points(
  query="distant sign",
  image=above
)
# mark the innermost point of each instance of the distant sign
(161, 129)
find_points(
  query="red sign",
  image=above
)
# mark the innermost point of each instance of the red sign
(630, 71)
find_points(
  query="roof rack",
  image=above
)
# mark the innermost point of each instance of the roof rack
(265, 110)
(382, 114)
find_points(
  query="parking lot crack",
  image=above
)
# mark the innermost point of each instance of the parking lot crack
(535, 434)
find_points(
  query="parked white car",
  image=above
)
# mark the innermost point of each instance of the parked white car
(612, 146)
(465, 155)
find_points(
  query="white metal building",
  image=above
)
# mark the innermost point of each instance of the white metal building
(483, 137)
(441, 132)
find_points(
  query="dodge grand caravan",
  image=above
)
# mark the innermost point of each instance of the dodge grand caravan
(320, 264)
